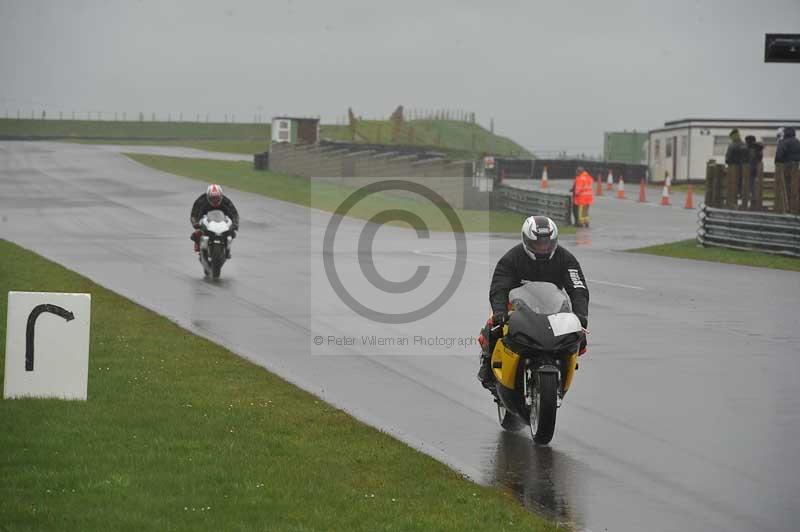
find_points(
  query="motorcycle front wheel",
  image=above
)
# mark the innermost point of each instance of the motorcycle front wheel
(217, 258)
(544, 407)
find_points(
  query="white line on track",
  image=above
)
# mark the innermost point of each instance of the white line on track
(609, 283)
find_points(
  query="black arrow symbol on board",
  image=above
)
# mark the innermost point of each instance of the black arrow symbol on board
(29, 330)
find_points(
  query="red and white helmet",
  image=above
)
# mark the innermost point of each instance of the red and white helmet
(214, 195)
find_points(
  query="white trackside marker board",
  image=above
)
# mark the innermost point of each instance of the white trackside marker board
(47, 345)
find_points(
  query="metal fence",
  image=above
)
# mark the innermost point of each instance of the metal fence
(525, 168)
(556, 206)
(771, 233)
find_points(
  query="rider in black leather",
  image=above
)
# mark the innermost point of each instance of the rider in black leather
(212, 200)
(537, 258)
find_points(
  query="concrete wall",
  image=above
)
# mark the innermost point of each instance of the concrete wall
(450, 179)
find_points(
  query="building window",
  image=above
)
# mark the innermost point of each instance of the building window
(283, 124)
(283, 135)
(721, 144)
(684, 145)
(668, 149)
(657, 150)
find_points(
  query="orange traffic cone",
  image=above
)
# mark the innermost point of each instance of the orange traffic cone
(544, 178)
(599, 187)
(620, 189)
(610, 181)
(689, 199)
(642, 197)
(665, 196)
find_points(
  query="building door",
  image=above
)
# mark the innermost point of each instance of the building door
(674, 159)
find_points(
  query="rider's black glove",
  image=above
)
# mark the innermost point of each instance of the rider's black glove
(499, 317)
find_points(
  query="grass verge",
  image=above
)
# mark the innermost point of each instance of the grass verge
(151, 131)
(180, 434)
(690, 249)
(240, 175)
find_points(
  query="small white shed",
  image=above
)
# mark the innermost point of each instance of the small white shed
(682, 148)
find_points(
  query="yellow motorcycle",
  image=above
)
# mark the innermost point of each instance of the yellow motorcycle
(535, 359)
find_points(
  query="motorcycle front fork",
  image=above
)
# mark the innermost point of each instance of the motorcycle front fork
(529, 386)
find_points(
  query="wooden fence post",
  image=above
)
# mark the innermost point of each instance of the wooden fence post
(780, 189)
(734, 171)
(758, 192)
(710, 183)
(794, 189)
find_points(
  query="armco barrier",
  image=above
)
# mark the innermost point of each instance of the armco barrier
(771, 233)
(533, 202)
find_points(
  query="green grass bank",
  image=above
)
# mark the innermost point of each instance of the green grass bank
(690, 249)
(240, 175)
(180, 434)
(457, 139)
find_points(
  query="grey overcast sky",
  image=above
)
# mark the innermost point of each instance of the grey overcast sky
(553, 74)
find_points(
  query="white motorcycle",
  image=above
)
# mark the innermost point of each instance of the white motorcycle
(215, 241)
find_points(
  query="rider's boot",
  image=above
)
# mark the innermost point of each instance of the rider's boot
(195, 237)
(485, 373)
(487, 342)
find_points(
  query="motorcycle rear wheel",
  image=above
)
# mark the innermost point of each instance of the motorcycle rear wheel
(544, 407)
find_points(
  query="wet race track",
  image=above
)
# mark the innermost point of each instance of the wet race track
(683, 416)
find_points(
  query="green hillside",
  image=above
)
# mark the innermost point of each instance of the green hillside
(459, 139)
(462, 137)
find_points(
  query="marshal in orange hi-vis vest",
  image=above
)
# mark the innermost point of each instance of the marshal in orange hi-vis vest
(584, 185)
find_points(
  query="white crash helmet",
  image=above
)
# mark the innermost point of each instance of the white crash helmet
(779, 134)
(539, 237)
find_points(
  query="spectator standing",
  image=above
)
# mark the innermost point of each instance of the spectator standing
(737, 150)
(788, 152)
(755, 153)
(788, 148)
(736, 155)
